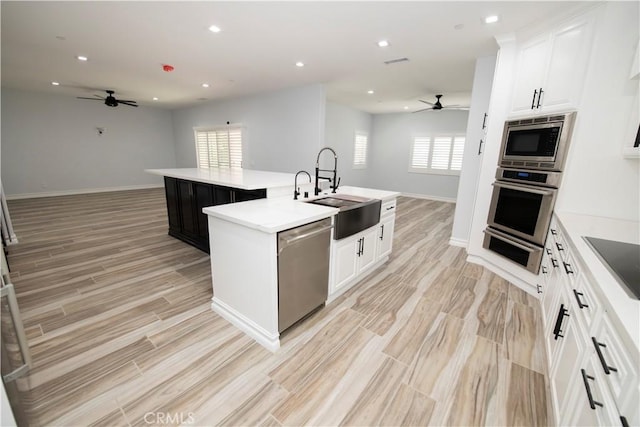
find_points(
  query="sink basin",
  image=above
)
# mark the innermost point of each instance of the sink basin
(356, 213)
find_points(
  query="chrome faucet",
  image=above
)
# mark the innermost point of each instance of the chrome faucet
(333, 180)
(296, 189)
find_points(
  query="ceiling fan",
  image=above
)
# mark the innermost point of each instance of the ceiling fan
(438, 106)
(111, 101)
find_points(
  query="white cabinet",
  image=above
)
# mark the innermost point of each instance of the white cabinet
(351, 256)
(593, 368)
(354, 256)
(551, 69)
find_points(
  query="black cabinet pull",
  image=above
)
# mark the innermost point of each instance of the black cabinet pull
(559, 246)
(484, 121)
(480, 147)
(557, 330)
(553, 231)
(359, 247)
(567, 268)
(544, 270)
(539, 98)
(581, 305)
(382, 232)
(607, 369)
(390, 207)
(586, 379)
(548, 251)
(533, 100)
(362, 251)
(623, 421)
(539, 289)
(554, 262)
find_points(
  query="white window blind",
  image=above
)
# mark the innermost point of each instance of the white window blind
(360, 150)
(219, 147)
(437, 154)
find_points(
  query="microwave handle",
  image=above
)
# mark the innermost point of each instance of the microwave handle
(523, 188)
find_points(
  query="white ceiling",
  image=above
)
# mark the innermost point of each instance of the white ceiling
(256, 51)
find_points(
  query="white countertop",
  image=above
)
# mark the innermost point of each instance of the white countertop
(281, 213)
(245, 179)
(625, 307)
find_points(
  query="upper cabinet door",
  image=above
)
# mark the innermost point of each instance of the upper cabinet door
(532, 62)
(568, 62)
(552, 69)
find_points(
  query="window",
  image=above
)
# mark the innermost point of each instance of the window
(360, 151)
(437, 154)
(219, 147)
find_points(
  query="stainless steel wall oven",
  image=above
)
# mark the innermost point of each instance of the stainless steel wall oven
(532, 156)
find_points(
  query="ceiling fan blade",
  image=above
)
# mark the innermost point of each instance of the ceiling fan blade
(426, 102)
(424, 109)
(457, 108)
(92, 99)
(129, 103)
(127, 100)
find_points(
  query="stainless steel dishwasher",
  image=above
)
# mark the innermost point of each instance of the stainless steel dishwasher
(303, 270)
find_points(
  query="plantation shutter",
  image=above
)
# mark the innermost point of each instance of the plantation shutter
(420, 154)
(360, 150)
(219, 147)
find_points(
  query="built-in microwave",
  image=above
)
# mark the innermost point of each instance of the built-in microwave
(539, 142)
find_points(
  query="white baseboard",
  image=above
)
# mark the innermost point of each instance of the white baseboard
(264, 338)
(81, 191)
(527, 287)
(428, 197)
(462, 243)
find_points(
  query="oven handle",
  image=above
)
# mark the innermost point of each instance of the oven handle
(526, 188)
(529, 249)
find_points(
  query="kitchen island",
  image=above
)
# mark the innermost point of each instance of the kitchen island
(188, 190)
(244, 255)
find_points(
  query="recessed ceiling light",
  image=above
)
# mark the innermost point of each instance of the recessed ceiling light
(155, 98)
(383, 43)
(55, 83)
(491, 19)
(214, 29)
(406, 107)
(205, 84)
(81, 58)
(299, 64)
(370, 92)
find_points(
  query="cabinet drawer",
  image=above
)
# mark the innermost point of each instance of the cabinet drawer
(587, 305)
(388, 208)
(619, 365)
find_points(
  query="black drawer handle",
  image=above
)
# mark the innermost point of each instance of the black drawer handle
(559, 246)
(586, 379)
(362, 251)
(390, 207)
(544, 270)
(382, 232)
(567, 268)
(359, 247)
(484, 121)
(533, 100)
(539, 289)
(623, 421)
(607, 369)
(554, 262)
(557, 330)
(548, 251)
(480, 147)
(553, 231)
(580, 303)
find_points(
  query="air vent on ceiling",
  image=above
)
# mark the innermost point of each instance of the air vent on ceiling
(395, 61)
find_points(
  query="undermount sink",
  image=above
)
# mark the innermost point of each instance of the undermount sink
(356, 213)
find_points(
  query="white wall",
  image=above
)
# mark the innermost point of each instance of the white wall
(598, 180)
(468, 186)
(50, 144)
(341, 125)
(283, 130)
(391, 152)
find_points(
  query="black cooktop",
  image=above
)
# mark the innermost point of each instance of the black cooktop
(622, 259)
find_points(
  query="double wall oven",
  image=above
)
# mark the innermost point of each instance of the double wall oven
(532, 156)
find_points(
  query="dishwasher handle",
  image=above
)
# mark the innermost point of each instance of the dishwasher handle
(289, 242)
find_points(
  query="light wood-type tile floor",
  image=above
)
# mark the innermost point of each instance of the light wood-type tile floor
(120, 327)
